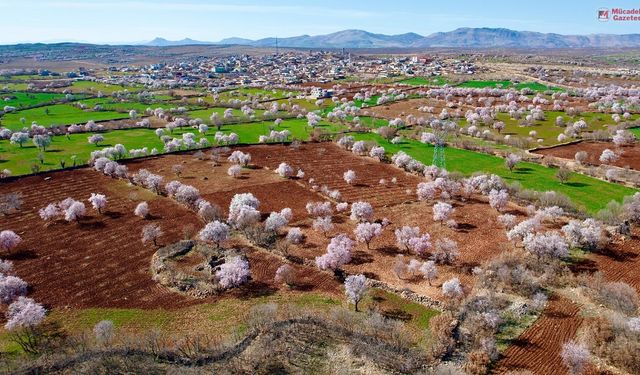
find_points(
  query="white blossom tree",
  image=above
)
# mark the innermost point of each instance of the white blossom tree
(284, 170)
(285, 274)
(338, 253)
(429, 271)
(441, 212)
(350, 177)
(98, 201)
(142, 210)
(452, 288)
(216, 232)
(151, 233)
(361, 211)
(233, 273)
(355, 287)
(366, 232)
(575, 356)
(9, 240)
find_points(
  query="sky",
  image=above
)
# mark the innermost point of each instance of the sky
(122, 21)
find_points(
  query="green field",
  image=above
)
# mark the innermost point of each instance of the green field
(59, 114)
(105, 88)
(225, 316)
(19, 160)
(245, 93)
(547, 129)
(114, 105)
(204, 114)
(422, 81)
(27, 99)
(535, 86)
(592, 193)
(8, 87)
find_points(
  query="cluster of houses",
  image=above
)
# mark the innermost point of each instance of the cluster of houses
(296, 67)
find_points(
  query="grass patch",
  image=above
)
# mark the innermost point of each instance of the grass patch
(589, 192)
(512, 329)
(535, 86)
(135, 319)
(424, 81)
(28, 99)
(105, 88)
(547, 130)
(393, 306)
(59, 114)
(19, 160)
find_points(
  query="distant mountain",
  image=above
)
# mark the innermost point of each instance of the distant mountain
(242, 41)
(161, 42)
(462, 38)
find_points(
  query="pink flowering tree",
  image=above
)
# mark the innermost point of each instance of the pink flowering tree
(404, 236)
(318, 209)
(142, 210)
(98, 201)
(215, 232)
(429, 271)
(511, 161)
(50, 212)
(9, 240)
(508, 221)
(420, 244)
(75, 211)
(284, 170)
(608, 156)
(11, 287)
(234, 171)
(23, 316)
(151, 233)
(549, 245)
(350, 177)
(277, 220)
(446, 251)
(233, 273)
(426, 191)
(323, 225)
(355, 287)
(366, 232)
(575, 356)
(243, 210)
(295, 236)
(452, 289)
(285, 274)
(338, 253)
(361, 211)
(498, 199)
(441, 212)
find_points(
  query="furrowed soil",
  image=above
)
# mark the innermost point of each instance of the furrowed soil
(629, 155)
(620, 261)
(99, 261)
(538, 349)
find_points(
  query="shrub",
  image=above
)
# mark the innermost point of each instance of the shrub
(575, 357)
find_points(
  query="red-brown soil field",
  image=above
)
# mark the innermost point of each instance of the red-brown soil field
(100, 261)
(538, 348)
(629, 155)
(620, 261)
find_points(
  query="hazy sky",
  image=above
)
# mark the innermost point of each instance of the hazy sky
(102, 21)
